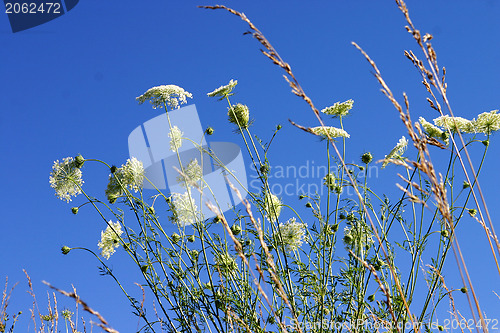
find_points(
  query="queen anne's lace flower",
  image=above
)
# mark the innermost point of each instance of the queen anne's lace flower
(239, 115)
(339, 109)
(272, 206)
(455, 124)
(224, 91)
(110, 239)
(333, 132)
(185, 208)
(66, 179)
(487, 122)
(396, 152)
(171, 94)
(175, 136)
(226, 264)
(192, 174)
(292, 234)
(130, 175)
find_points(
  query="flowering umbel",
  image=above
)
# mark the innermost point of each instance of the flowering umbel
(239, 115)
(272, 207)
(291, 234)
(333, 132)
(66, 179)
(185, 208)
(170, 94)
(110, 239)
(192, 173)
(396, 152)
(175, 136)
(339, 109)
(487, 122)
(226, 264)
(130, 175)
(455, 124)
(433, 131)
(224, 91)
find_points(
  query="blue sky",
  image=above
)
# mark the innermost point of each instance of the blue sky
(69, 87)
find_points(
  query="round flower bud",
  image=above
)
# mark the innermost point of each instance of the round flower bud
(175, 238)
(445, 233)
(264, 168)
(191, 239)
(79, 160)
(342, 216)
(440, 328)
(113, 169)
(194, 255)
(209, 131)
(329, 181)
(65, 250)
(465, 185)
(144, 268)
(74, 210)
(278, 127)
(472, 212)
(309, 205)
(239, 114)
(302, 196)
(348, 239)
(463, 290)
(335, 227)
(366, 158)
(371, 298)
(236, 229)
(486, 143)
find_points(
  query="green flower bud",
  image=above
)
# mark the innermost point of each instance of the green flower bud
(175, 238)
(302, 196)
(264, 168)
(236, 229)
(342, 216)
(191, 239)
(472, 212)
(464, 290)
(366, 158)
(309, 205)
(335, 227)
(209, 131)
(445, 233)
(486, 143)
(194, 255)
(348, 239)
(371, 298)
(113, 169)
(74, 210)
(144, 268)
(239, 115)
(65, 250)
(79, 160)
(248, 242)
(329, 181)
(440, 328)
(465, 185)
(278, 127)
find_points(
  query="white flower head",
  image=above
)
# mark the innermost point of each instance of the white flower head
(272, 206)
(185, 208)
(226, 264)
(339, 109)
(292, 234)
(224, 91)
(396, 152)
(175, 136)
(433, 131)
(455, 124)
(192, 174)
(333, 132)
(130, 175)
(110, 239)
(66, 179)
(487, 122)
(171, 94)
(239, 114)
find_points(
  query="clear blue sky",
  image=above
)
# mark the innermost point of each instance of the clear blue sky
(69, 87)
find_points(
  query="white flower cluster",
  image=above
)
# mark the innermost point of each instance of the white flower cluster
(175, 136)
(110, 239)
(223, 91)
(487, 122)
(272, 206)
(455, 124)
(66, 179)
(226, 264)
(185, 208)
(333, 132)
(171, 94)
(396, 152)
(339, 109)
(130, 175)
(192, 174)
(292, 234)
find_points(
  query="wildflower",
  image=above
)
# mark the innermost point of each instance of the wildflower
(65, 250)
(226, 264)
(192, 174)
(191, 239)
(291, 234)
(224, 91)
(455, 124)
(329, 181)
(358, 237)
(366, 158)
(79, 161)
(130, 175)
(396, 152)
(463, 290)
(66, 179)
(74, 210)
(472, 212)
(272, 206)
(209, 131)
(170, 94)
(110, 239)
(175, 238)
(487, 122)
(333, 132)
(175, 136)
(235, 229)
(339, 109)
(66, 314)
(185, 208)
(239, 114)
(433, 131)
